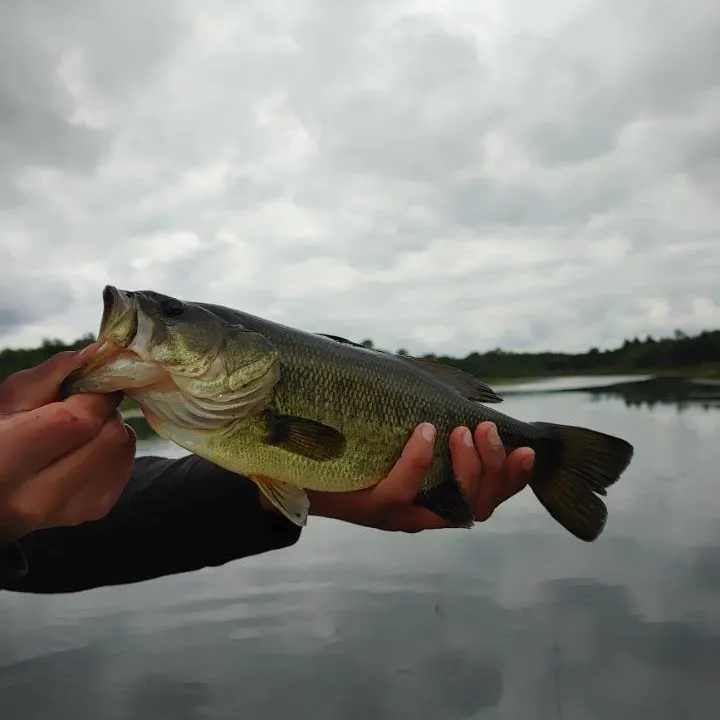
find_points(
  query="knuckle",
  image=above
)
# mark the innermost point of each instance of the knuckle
(17, 378)
(84, 423)
(59, 359)
(492, 460)
(418, 464)
(61, 416)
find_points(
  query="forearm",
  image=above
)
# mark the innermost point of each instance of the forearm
(174, 516)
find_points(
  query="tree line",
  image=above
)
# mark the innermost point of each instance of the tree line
(681, 353)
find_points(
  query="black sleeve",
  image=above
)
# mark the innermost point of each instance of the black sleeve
(174, 516)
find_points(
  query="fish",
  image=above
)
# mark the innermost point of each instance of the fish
(297, 411)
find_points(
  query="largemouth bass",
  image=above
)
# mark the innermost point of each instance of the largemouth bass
(297, 411)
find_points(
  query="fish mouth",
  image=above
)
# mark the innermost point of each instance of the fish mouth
(118, 328)
(119, 317)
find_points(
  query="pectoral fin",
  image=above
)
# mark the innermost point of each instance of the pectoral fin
(305, 437)
(291, 501)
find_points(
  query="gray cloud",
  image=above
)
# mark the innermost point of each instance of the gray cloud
(21, 305)
(437, 181)
(63, 67)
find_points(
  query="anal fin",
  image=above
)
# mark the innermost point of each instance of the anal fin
(448, 501)
(291, 501)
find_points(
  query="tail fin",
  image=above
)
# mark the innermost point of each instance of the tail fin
(573, 466)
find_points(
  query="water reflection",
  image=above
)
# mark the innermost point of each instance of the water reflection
(510, 620)
(680, 392)
(647, 391)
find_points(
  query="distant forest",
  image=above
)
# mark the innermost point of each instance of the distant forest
(681, 354)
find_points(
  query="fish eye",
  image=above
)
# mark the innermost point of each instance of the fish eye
(171, 308)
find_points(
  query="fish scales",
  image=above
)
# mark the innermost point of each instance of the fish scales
(382, 399)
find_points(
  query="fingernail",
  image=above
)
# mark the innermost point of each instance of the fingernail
(467, 438)
(493, 437)
(427, 432)
(529, 460)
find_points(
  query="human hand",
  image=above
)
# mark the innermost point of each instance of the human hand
(488, 478)
(61, 462)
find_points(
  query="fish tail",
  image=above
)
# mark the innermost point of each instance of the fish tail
(573, 467)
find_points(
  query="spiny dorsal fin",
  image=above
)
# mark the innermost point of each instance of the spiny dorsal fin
(305, 437)
(466, 384)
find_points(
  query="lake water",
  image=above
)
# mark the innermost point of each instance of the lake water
(513, 619)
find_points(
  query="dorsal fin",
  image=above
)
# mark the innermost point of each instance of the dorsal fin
(466, 384)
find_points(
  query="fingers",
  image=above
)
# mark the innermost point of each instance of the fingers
(492, 457)
(402, 483)
(479, 463)
(74, 488)
(38, 386)
(36, 438)
(92, 405)
(114, 454)
(502, 477)
(518, 472)
(465, 462)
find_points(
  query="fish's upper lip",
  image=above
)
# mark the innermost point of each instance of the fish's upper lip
(115, 302)
(120, 307)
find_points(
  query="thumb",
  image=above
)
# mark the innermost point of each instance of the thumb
(37, 386)
(403, 481)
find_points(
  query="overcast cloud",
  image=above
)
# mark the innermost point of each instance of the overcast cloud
(439, 176)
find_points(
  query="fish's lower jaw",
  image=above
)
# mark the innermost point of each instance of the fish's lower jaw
(113, 369)
(82, 378)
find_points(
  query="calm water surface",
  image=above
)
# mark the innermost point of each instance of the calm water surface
(513, 619)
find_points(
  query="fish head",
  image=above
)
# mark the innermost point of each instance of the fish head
(163, 352)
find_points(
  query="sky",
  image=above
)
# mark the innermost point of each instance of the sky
(438, 176)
